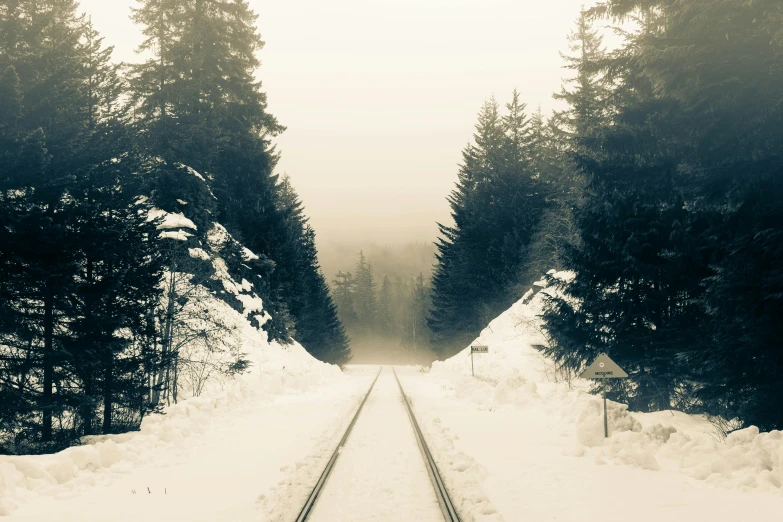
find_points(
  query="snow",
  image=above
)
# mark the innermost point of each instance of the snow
(250, 303)
(519, 441)
(380, 474)
(217, 236)
(517, 438)
(171, 224)
(191, 171)
(199, 253)
(170, 220)
(205, 460)
(178, 235)
(227, 440)
(282, 385)
(249, 255)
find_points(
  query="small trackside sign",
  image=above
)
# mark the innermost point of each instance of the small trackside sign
(479, 349)
(603, 368)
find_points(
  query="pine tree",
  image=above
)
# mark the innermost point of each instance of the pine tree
(495, 208)
(457, 295)
(66, 130)
(365, 297)
(303, 286)
(49, 136)
(724, 119)
(554, 144)
(200, 105)
(117, 284)
(587, 96)
(342, 290)
(688, 146)
(319, 328)
(385, 323)
(416, 334)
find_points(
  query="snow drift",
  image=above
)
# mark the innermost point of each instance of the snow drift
(206, 394)
(514, 374)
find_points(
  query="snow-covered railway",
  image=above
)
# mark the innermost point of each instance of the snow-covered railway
(382, 475)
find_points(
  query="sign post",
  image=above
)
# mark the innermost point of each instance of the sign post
(604, 368)
(478, 348)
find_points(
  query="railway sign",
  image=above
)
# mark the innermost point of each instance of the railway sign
(604, 368)
(476, 348)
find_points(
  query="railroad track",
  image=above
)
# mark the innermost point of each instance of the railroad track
(444, 500)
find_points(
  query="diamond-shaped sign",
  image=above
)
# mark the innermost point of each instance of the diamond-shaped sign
(603, 368)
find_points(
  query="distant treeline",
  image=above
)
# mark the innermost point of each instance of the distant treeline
(660, 187)
(87, 287)
(385, 316)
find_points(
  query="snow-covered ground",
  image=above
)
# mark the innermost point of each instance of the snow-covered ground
(230, 439)
(380, 474)
(513, 444)
(207, 459)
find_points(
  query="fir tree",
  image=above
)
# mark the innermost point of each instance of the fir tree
(201, 105)
(385, 323)
(585, 93)
(66, 133)
(302, 284)
(675, 175)
(365, 296)
(495, 208)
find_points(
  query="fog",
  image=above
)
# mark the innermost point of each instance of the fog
(380, 96)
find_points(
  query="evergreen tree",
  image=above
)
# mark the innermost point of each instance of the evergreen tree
(303, 285)
(495, 208)
(555, 143)
(689, 154)
(319, 328)
(587, 97)
(365, 298)
(65, 131)
(342, 290)
(385, 322)
(717, 70)
(49, 132)
(117, 284)
(416, 333)
(200, 104)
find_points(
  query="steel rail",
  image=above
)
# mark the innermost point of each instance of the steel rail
(446, 505)
(308, 506)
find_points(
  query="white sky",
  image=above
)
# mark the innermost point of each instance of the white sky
(380, 96)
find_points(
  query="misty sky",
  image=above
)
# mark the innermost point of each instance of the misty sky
(380, 96)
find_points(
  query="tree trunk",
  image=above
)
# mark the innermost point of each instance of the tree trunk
(162, 373)
(108, 390)
(48, 362)
(87, 412)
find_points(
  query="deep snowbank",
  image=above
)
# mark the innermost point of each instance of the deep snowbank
(274, 370)
(516, 375)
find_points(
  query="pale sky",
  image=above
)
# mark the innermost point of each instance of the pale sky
(380, 96)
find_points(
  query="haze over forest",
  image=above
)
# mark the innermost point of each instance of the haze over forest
(153, 247)
(374, 131)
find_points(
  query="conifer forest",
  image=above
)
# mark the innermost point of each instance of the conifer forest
(137, 198)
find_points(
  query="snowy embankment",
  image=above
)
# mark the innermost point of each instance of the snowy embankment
(259, 404)
(517, 436)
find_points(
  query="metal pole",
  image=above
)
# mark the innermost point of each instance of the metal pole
(471, 363)
(606, 422)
